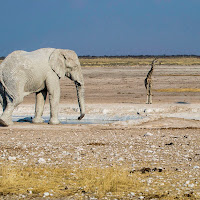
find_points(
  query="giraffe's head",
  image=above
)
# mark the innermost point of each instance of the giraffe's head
(154, 61)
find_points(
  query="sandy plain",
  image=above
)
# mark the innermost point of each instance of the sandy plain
(119, 130)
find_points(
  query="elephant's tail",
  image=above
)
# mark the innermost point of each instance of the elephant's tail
(5, 89)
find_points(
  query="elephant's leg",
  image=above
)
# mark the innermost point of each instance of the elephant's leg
(9, 104)
(6, 117)
(53, 87)
(39, 106)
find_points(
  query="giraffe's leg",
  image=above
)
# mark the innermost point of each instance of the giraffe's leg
(147, 99)
(150, 93)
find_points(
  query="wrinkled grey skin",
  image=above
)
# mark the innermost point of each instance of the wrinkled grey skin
(23, 73)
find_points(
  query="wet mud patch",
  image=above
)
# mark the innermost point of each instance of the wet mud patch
(88, 119)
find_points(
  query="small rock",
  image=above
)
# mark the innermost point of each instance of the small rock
(171, 143)
(41, 161)
(145, 169)
(187, 182)
(121, 159)
(191, 185)
(12, 158)
(160, 169)
(46, 194)
(196, 167)
(148, 134)
(66, 153)
(132, 194)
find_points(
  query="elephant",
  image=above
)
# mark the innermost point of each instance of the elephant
(39, 72)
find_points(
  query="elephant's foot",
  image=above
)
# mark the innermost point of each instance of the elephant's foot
(54, 121)
(5, 122)
(37, 120)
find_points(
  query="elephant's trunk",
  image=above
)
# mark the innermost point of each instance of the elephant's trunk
(81, 100)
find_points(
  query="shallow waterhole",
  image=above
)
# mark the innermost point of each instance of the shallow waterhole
(88, 119)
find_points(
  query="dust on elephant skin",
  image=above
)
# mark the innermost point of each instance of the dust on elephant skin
(39, 72)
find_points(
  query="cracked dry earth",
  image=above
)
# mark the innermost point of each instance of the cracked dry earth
(165, 137)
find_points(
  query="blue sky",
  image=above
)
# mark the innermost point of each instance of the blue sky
(101, 27)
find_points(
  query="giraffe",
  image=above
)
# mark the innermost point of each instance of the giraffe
(148, 83)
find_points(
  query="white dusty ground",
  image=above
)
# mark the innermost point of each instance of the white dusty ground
(119, 114)
(118, 127)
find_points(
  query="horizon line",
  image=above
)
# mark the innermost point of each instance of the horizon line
(133, 56)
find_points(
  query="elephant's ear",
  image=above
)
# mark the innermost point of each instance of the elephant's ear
(57, 63)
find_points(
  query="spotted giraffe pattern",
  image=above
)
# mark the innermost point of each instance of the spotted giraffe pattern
(148, 82)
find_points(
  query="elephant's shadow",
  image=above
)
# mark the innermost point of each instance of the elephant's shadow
(25, 119)
(29, 119)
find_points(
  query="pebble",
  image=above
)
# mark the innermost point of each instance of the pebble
(12, 158)
(46, 194)
(121, 159)
(191, 185)
(132, 194)
(187, 182)
(148, 134)
(66, 153)
(41, 161)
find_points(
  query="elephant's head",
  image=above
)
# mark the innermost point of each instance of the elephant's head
(66, 63)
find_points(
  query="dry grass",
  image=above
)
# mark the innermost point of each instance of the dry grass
(178, 90)
(123, 61)
(128, 61)
(112, 182)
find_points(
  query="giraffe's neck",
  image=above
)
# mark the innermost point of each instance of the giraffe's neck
(150, 72)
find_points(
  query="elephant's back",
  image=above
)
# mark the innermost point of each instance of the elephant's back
(40, 55)
(12, 58)
(23, 59)
(25, 67)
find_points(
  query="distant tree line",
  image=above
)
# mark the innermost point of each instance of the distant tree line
(134, 56)
(142, 56)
